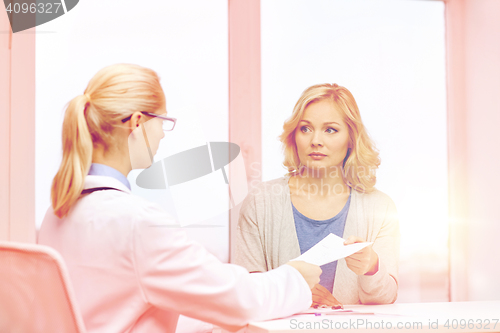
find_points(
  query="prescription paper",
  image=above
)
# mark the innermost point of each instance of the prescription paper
(329, 249)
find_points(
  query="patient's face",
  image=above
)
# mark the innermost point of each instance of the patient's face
(322, 136)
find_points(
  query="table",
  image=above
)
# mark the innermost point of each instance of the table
(482, 316)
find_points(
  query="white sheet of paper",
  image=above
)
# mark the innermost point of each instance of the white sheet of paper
(329, 249)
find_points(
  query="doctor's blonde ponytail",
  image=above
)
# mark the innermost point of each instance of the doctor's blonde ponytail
(113, 94)
(77, 157)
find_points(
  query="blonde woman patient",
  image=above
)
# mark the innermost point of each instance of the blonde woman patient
(329, 188)
(130, 272)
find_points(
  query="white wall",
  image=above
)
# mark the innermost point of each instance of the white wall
(184, 41)
(391, 56)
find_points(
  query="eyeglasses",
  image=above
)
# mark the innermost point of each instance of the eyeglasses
(168, 123)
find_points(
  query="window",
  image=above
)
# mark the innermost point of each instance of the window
(391, 56)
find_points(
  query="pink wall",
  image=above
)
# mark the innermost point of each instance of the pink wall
(244, 91)
(457, 149)
(5, 39)
(17, 133)
(473, 45)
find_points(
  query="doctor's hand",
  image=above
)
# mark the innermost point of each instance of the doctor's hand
(363, 262)
(322, 297)
(309, 272)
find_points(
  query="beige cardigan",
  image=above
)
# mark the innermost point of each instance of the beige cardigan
(266, 239)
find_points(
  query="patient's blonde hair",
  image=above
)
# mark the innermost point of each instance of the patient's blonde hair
(113, 94)
(362, 158)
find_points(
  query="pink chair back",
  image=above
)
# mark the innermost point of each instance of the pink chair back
(35, 291)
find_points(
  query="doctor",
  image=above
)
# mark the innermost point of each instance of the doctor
(130, 272)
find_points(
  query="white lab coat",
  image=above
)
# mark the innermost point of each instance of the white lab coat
(133, 273)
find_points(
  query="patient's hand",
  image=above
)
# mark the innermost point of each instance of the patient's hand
(363, 262)
(321, 296)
